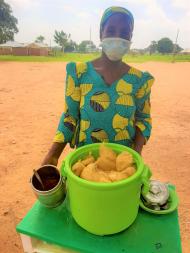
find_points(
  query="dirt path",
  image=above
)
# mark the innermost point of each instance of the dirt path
(31, 101)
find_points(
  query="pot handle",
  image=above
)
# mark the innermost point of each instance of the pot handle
(63, 170)
(145, 179)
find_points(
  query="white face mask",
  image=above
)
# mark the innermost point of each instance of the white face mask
(115, 48)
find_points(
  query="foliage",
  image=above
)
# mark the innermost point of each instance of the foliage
(40, 39)
(165, 45)
(62, 39)
(153, 47)
(71, 46)
(177, 48)
(86, 46)
(8, 23)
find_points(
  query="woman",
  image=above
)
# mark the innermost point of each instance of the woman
(106, 100)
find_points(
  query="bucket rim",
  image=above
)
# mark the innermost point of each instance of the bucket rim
(67, 164)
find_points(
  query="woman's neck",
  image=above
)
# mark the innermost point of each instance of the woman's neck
(110, 64)
(110, 70)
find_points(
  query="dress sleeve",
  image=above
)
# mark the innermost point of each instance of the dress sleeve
(70, 116)
(143, 118)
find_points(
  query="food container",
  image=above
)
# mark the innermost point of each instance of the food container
(53, 192)
(104, 208)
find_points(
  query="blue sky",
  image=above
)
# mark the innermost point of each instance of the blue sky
(154, 19)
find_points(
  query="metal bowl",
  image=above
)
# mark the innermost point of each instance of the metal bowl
(54, 191)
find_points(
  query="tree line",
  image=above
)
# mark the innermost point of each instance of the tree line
(163, 46)
(66, 44)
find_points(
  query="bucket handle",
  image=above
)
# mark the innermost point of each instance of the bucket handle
(63, 166)
(63, 170)
(145, 179)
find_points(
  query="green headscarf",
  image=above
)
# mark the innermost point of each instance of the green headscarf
(113, 10)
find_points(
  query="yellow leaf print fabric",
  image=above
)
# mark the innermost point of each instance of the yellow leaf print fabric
(85, 88)
(59, 137)
(119, 122)
(122, 135)
(123, 88)
(142, 116)
(125, 100)
(81, 68)
(72, 90)
(84, 125)
(135, 72)
(70, 116)
(95, 112)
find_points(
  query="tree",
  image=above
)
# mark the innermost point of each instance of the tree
(86, 46)
(153, 47)
(165, 45)
(71, 46)
(40, 39)
(61, 38)
(8, 23)
(177, 48)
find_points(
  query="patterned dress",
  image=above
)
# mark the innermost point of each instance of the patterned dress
(97, 112)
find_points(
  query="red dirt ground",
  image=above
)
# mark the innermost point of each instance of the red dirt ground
(31, 102)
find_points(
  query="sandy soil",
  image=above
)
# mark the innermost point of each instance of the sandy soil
(31, 102)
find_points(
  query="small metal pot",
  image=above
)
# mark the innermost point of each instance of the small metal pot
(54, 191)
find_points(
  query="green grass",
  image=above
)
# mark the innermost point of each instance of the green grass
(60, 58)
(87, 57)
(157, 57)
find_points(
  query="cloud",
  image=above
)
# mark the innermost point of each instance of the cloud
(185, 4)
(155, 22)
(67, 7)
(23, 4)
(98, 12)
(154, 19)
(136, 2)
(84, 15)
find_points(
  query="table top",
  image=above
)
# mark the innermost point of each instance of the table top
(149, 233)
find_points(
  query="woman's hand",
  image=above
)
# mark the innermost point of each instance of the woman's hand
(50, 160)
(54, 153)
(139, 141)
(138, 149)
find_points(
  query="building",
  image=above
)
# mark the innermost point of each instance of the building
(24, 49)
(6, 48)
(185, 51)
(38, 49)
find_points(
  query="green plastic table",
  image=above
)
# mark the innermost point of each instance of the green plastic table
(148, 234)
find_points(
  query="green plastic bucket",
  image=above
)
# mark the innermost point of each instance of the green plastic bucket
(104, 208)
